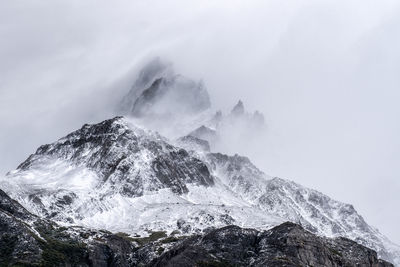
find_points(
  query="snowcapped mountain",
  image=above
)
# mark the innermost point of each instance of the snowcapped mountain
(112, 169)
(119, 176)
(116, 176)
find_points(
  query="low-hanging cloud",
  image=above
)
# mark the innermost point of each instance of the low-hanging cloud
(324, 73)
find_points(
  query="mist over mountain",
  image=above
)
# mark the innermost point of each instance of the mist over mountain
(175, 105)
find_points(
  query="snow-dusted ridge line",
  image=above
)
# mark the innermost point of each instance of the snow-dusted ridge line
(120, 177)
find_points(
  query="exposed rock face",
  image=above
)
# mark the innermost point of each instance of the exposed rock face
(125, 155)
(285, 245)
(12, 207)
(17, 244)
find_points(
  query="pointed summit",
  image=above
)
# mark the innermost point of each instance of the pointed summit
(238, 109)
(159, 91)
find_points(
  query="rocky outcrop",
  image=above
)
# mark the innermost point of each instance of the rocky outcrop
(285, 245)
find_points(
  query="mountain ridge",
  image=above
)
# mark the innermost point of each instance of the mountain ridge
(235, 188)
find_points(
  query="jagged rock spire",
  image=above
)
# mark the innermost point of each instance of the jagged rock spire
(238, 109)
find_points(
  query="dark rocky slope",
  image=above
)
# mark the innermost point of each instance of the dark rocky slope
(285, 245)
(26, 240)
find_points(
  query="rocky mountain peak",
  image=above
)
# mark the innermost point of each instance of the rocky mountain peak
(101, 160)
(238, 109)
(158, 90)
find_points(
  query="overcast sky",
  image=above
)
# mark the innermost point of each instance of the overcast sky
(324, 73)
